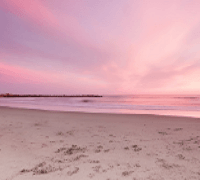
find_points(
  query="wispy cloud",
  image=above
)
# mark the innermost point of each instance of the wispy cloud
(108, 46)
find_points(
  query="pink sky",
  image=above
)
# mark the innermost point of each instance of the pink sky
(100, 47)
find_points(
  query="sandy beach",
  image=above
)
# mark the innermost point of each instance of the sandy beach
(40, 145)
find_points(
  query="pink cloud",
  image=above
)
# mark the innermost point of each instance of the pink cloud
(124, 46)
(31, 10)
(67, 29)
(14, 74)
(22, 79)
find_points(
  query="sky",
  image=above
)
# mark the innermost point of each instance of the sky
(100, 46)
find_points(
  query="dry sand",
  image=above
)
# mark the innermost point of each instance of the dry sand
(50, 145)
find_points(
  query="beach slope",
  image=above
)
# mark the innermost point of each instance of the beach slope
(39, 145)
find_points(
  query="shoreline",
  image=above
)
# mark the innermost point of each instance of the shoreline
(42, 144)
(103, 112)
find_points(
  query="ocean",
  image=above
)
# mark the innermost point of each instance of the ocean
(176, 105)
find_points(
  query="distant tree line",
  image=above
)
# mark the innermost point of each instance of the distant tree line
(43, 95)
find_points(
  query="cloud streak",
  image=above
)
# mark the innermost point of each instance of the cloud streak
(110, 47)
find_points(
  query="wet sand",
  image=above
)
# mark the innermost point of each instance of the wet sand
(39, 145)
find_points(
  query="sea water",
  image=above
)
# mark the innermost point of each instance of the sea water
(178, 105)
